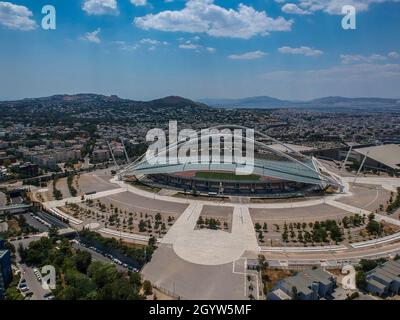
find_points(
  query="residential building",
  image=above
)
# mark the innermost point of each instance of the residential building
(5, 271)
(310, 284)
(384, 279)
(101, 155)
(26, 170)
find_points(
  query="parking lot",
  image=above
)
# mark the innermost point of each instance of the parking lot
(30, 284)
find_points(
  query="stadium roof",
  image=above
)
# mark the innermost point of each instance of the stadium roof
(284, 170)
(286, 146)
(387, 154)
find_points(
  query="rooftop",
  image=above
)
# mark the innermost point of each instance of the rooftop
(284, 170)
(388, 271)
(388, 154)
(304, 280)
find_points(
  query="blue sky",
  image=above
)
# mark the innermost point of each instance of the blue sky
(145, 49)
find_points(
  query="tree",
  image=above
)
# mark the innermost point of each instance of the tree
(368, 265)
(295, 295)
(147, 288)
(53, 232)
(285, 236)
(361, 280)
(142, 226)
(152, 241)
(200, 221)
(374, 227)
(82, 261)
(300, 236)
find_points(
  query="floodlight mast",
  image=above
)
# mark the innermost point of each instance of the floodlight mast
(126, 153)
(347, 157)
(112, 155)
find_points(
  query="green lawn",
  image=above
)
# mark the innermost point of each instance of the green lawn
(226, 176)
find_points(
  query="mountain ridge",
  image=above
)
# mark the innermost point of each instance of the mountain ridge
(255, 102)
(91, 98)
(267, 102)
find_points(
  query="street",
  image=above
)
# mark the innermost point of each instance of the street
(27, 273)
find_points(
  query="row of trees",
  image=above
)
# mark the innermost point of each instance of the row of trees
(78, 277)
(328, 230)
(117, 217)
(140, 255)
(17, 227)
(56, 193)
(210, 223)
(71, 188)
(321, 232)
(394, 204)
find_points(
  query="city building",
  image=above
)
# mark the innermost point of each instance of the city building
(383, 158)
(384, 279)
(101, 155)
(6, 159)
(380, 158)
(26, 170)
(5, 270)
(310, 284)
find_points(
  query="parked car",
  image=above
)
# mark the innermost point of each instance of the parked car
(24, 288)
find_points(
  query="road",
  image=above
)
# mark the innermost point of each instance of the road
(97, 256)
(52, 220)
(27, 272)
(35, 223)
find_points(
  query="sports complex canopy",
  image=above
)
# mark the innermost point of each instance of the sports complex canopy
(282, 170)
(268, 162)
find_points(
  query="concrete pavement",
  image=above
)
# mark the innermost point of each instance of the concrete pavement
(211, 247)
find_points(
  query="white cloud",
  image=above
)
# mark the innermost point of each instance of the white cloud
(292, 8)
(189, 45)
(358, 58)
(335, 6)
(203, 16)
(100, 7)
(306, 51)
(152, 42)
(248, 55)
(122, 45)
(394, 55)
(92, 36)
(149, 44)
(139, 2)
(16, 17)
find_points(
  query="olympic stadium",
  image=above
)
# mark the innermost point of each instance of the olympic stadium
(276, 172)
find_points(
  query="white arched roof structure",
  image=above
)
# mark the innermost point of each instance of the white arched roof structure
(289, 166)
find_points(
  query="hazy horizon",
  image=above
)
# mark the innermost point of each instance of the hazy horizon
(199, 99)
(200, 49)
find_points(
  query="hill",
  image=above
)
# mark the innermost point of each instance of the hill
(332, 103)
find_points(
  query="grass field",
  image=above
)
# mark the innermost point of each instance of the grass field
(226, 176)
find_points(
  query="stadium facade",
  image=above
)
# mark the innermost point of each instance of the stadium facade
(275, 173)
